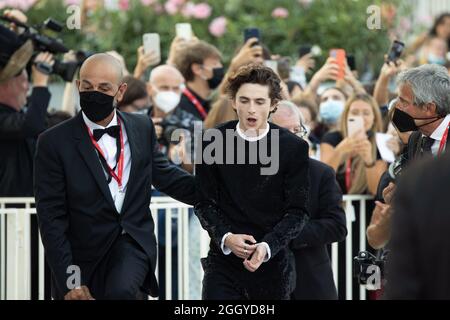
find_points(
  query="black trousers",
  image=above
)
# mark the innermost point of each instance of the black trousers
(226, 278)
(219, 284)
(121, 274)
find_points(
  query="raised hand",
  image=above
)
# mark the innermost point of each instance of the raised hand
(248, 53)
(307, 62)
(144, 61)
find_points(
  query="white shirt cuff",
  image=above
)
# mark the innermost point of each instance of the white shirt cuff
(226, 251)
(268, 254)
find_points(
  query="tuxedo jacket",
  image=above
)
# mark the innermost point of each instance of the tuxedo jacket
(77, 217)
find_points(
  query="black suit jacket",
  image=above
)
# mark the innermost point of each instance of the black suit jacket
(77, 217)
(326, 225)
(18, 133)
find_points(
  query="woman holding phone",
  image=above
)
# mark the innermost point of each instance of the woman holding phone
(353, 153)
(352, 150)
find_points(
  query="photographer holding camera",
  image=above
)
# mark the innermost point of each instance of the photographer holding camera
(20, 122)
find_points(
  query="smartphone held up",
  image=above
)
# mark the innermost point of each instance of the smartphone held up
(151, 42)
(252, 33)
(339, 55)
(355, 127)
(396, 51)
(184, 31)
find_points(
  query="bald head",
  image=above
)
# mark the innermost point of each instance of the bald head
(166, 73)
(287, 116)
(102, 65)
(102, 72)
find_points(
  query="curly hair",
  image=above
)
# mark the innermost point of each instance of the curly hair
(257, 74)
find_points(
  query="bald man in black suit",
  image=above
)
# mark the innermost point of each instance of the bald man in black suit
(93, 177)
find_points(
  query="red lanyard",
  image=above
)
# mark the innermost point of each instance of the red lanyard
(348, 175)
(118, 176)
(443, 141)
(195, 102)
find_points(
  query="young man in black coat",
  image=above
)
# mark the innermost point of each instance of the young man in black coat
(253, 183)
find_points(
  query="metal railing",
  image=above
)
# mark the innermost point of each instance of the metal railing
(15, 247)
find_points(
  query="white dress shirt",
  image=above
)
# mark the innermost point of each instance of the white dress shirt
(437, 135)
(224, 248)
(109, 149)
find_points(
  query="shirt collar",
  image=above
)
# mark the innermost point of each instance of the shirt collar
(92, 125)
(251, 139)
(439, 132)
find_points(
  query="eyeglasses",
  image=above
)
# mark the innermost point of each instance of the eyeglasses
(301, 131)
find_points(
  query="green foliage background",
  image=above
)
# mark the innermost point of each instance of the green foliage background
(327, 23)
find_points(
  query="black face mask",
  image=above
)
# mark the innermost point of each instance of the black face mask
(96, 105)
(218, 74)
(404, 122)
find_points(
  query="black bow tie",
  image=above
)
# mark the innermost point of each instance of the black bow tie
(113, 131)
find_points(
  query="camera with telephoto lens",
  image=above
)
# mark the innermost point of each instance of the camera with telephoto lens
(45, 43)
(366, 265)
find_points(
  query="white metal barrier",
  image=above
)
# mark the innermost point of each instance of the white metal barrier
(351, 215)
(15, 262)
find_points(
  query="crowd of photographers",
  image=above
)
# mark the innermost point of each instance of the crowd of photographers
(369, 134)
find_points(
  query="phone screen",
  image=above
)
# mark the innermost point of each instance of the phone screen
(396, 51)
(252, 33)
(303, 50)
(184, 30)
(351, 62)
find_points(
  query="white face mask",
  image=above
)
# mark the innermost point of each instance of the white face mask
(167, 100)
(143, 111)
